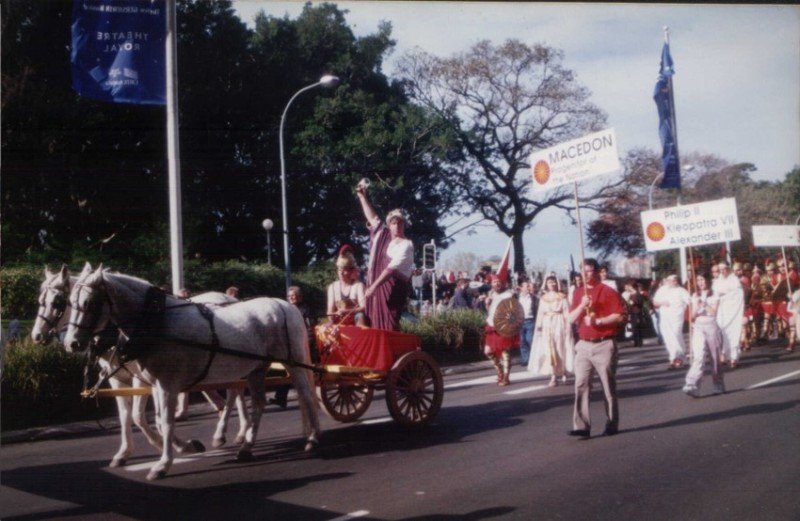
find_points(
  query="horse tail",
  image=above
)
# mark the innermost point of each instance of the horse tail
(302, 378)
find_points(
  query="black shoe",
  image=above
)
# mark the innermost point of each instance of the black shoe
(277, 401)
(580, 433)
(610, 431)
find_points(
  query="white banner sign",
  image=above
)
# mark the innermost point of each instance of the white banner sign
(691, 225)
(576, 160)
(776, 235)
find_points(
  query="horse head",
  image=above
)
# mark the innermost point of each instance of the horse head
(53, 303)
(91, 308)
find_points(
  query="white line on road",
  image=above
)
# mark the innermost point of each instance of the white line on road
(385, 419)
(772, 381)
(515, 377)
(526, 389)
(195, 457)
(351, 515)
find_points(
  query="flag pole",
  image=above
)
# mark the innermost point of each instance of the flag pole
(674, 129)
(173, 148)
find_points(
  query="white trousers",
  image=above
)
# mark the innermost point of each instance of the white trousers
(706, 337)
(672, 333)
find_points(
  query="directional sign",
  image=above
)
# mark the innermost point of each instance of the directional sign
(776, 235)
(589, 156)
(691, 225)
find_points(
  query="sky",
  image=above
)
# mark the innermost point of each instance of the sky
(737, 79)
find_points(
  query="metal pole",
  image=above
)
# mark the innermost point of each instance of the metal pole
(173, 149)
(284, 211)
(269, 248)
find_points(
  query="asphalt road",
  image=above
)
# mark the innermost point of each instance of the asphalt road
(492, 453)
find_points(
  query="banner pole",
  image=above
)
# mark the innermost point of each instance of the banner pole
(173, 148)
(786, 266)
(580, 227)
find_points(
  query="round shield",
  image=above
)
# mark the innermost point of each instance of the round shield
(508, 318)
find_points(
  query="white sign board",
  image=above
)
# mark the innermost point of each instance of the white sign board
(691, 225)
(776, 235)
(589, 156)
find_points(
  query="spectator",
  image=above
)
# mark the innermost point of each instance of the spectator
(462, 298)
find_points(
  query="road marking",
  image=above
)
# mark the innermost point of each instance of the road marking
(526, 389)
(516, 377)
(778, 379)
(373, 421)
(186, 459)
(351, 515)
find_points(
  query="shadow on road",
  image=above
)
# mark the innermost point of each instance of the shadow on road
(761, 408)
(95, 490)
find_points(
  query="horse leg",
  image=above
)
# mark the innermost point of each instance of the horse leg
(244, 417)
(215, 400)
(257, 403)
(182, 407)
(167, 401)
(222, 423)
(126, 429)
(302, 380)
(140, 419)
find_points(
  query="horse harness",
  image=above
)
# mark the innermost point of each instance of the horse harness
(151, 329)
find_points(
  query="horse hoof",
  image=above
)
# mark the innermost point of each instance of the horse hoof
(117, 462)
(218, 442)
(156, 474)
(194, 447)
(239, 440)
(311, 446)
(244, 456)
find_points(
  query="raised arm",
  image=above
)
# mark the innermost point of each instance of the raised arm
(366, 206)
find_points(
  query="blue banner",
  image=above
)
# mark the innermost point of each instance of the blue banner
(666, 131)
(118, 50)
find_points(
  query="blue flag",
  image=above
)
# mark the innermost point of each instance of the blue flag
(666, 131)
(118, 50)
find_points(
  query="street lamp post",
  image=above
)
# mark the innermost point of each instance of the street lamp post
(267, 224)
(325, 81)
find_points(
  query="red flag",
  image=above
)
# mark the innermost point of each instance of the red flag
(502, 269)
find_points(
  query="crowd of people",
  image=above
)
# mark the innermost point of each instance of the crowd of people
(570, 328)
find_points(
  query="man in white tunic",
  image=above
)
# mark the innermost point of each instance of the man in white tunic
(671, 300)
(731, 310)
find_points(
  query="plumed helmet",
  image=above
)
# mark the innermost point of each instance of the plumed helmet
(346, 259)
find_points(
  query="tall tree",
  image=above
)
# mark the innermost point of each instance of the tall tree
(366, 128)
(88, 179)
(502, 102)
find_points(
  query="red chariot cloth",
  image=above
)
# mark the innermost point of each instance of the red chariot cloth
(361, 347)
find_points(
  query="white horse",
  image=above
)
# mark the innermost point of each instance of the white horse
(176, 346)
(53, 314)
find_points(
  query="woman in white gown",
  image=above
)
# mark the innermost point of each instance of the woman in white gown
(552, 348)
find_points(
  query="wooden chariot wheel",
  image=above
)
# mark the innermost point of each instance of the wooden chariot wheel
(345, 401)
(414, 389)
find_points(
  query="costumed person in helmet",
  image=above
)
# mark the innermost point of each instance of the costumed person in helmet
(346, 301)
(773, 290)
(391, 263)
(496, 346)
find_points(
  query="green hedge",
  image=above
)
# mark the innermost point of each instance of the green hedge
(454, 333)
(41, 385)
(20, 285)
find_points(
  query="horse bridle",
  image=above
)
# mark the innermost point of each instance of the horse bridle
(93, 306)
(59, 306)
